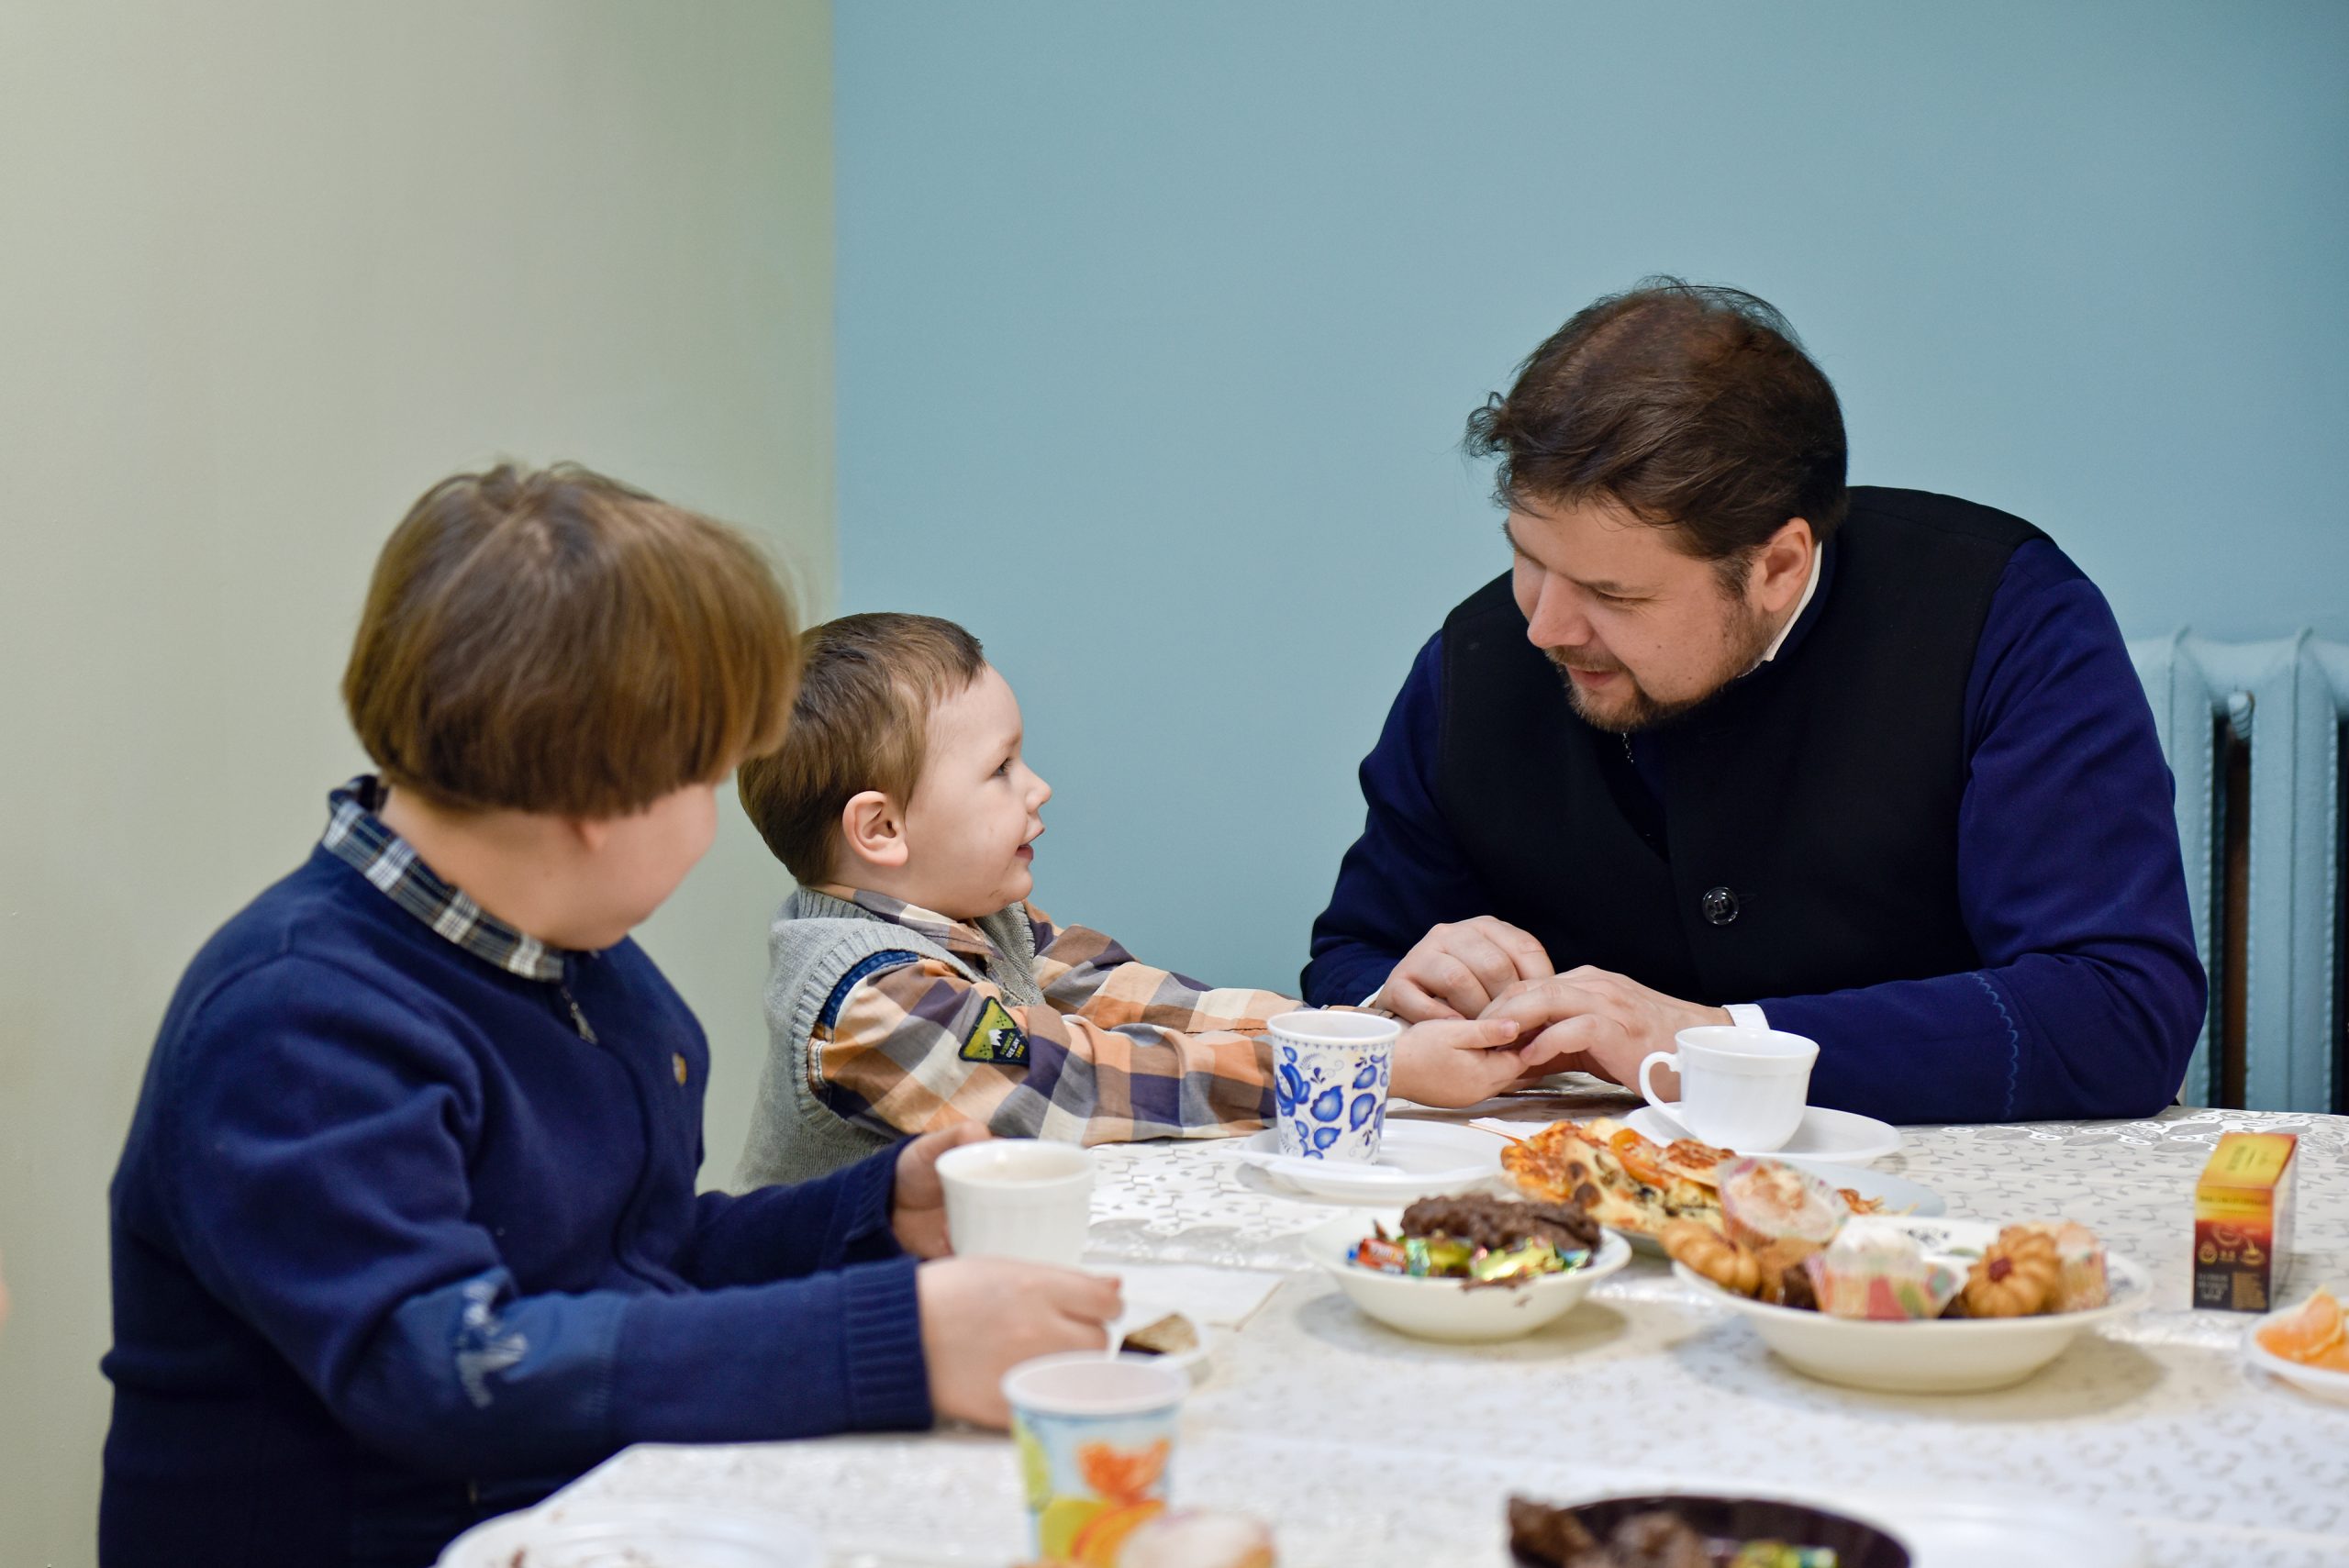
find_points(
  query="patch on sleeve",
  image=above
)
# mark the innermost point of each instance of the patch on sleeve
(995, 1038)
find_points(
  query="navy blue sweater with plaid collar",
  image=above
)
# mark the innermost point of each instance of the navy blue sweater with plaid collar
(406, 1234)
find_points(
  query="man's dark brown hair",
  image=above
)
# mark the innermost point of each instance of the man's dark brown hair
(556, 641)
(1693, 406)
(861, 722)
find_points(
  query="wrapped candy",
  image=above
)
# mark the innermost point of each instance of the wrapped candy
(1445, 1257)
(1523, 1263)
(1876, 1269)
(1779, 1555)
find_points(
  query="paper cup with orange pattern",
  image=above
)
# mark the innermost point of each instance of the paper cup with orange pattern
(1096, 1440)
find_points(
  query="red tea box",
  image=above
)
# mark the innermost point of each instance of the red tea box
(2243, 1222)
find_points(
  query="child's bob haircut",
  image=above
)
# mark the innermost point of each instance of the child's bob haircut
(557, 642)
(859, 722)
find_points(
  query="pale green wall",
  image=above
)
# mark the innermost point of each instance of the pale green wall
(1196, 297)
(266, 271)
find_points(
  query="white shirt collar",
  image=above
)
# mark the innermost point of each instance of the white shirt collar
(1817, 557)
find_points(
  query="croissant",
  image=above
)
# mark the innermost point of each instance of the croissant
(2016, 1276)
(1713, 1255)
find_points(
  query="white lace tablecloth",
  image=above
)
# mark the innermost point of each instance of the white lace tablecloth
(1368, 1447)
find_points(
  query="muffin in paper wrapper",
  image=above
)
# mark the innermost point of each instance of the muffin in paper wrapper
(2081, 1283)
(1778, 1213)
(1879, 1272)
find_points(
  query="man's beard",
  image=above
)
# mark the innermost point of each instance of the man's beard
(1749, 635)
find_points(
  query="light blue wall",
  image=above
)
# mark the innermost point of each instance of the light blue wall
(1157, 325)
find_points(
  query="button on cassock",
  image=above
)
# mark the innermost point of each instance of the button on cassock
(1720, 905)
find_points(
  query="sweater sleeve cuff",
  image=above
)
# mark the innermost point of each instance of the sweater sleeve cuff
(888, 1381)
(860, 1220)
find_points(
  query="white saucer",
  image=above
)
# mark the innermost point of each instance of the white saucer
(1415, 1159)
(1829, 1138)
(2316, 1380)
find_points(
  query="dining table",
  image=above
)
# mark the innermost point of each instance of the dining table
(1362, 1447)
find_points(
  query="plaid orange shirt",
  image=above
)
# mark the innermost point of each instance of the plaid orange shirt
(1119, 1050)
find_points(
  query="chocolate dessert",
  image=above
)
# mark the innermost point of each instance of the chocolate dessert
(1500, 1225)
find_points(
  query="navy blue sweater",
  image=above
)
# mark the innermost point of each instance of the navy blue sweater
(395, 1247)
(2089, 995)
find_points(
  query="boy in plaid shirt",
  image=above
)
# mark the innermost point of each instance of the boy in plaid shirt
(913, 988)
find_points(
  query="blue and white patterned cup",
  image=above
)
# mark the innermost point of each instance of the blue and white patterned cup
(1329, 1074)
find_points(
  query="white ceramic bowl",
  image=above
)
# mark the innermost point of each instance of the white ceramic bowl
(1959, 1355)
(1449, 1309)
(2316, 1380)
(599, 1534)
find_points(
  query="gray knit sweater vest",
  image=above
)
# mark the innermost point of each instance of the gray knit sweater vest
(815, 941)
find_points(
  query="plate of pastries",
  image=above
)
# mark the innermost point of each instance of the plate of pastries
(1633, 1184)
(1902, 1304)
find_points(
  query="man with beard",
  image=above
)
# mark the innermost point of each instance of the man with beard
(1731, 741)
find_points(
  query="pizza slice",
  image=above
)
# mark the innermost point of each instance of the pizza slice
(1623, 1179)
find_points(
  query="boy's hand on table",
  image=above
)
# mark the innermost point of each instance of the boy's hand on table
(1457, 971)
(1459, 1062)
(917, 1212)
(982, 1317)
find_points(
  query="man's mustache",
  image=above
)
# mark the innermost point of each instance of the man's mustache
(1563, 663)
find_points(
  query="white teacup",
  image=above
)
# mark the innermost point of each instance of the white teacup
(1740, 1088)
(1017, 1197)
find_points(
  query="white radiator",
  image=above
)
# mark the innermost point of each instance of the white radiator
(2254, 733)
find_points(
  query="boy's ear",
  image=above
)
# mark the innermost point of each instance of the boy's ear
(874, 831)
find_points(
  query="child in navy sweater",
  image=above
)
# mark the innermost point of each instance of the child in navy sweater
(404, 1233)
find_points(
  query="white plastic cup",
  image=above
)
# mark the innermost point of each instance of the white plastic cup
(1330, 1070)
(1017, 1197)
(1740, 1088)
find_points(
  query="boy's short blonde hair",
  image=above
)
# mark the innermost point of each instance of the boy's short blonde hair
(861, 722)
(556, 641)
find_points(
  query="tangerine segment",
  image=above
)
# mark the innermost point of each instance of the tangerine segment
(2334, 1357)
(2306, 1333)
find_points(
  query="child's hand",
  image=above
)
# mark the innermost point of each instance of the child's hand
(918, 1213)
(1456, 1062)
(982, 1317)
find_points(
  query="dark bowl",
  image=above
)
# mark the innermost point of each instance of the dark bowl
(1856, 1545)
